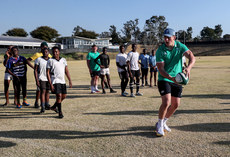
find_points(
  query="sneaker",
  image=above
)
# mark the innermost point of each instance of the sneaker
(126, 93)
(104, 92)
(4, 105)
(123, 94)
(132, 95)
(19, 106)
(112, 91)
(36, 105)
(142, 85)
(97, 91)
(25, 103)
(139, 94)
(42, 110)
(47, 107)
(166, 128)
(92, 92)
(60, 115)
(54, 109)
(159, 130)
(146, 84)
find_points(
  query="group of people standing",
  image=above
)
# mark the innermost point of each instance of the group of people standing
(168, 60)
(49, 73)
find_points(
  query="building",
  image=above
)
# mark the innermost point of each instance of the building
(74, 42)
(23, 42)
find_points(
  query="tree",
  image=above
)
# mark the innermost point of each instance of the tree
(45, 33)
(184, 35)
(81, 32)
(226, 36)
(105, 35)
(218, 31)
(116, 39)
(154, 28)
(131, 29)
(207, 33)
(189, 33)
(20, 32)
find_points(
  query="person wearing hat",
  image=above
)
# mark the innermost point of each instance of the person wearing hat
(32, 58)
(169, 63)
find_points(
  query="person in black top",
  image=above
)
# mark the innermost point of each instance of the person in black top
(104, 64)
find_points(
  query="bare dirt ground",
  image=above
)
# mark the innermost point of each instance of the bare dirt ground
(111, 125)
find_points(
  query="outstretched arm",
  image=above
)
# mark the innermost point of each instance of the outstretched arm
(29, 63)
(162, 71)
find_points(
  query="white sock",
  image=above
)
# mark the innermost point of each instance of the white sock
(160, 122)
(165, 120)
(92, 88)
(96, 87)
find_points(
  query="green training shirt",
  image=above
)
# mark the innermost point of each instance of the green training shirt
(91, 57)
(171, 58)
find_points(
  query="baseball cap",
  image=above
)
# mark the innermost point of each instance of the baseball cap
(169, 32)
(44, 44)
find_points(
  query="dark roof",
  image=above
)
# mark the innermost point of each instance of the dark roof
(24, 39)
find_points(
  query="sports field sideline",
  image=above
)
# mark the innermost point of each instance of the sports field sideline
(111, 125)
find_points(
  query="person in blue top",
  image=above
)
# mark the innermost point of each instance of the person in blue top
(16, 66)
(144, 61)
(153, 68)
(169, 63)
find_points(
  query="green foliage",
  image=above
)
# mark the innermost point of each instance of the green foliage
(210, 33)
(184, 35)
(116, 39)
(154, 28)
(20, 32)
(131, 29)
(105, 35)
(81, 32)
(45, 33)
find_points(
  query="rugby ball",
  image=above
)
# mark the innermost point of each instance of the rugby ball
(182, 79)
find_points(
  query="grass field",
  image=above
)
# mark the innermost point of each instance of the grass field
(111, 125)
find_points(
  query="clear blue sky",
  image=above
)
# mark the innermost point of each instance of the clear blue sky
(98, 15)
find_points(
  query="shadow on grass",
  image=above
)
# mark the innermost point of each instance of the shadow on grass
(205, 127)
(152, 113)
(146, 131)
(5, 144)
(223, 143)
(219, 96)
(225, 103)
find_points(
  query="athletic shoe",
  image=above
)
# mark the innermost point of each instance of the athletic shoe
(25, 103)
(47, 107)
(166, 128)
(36, 105)
(97, 91)
(4, 105)
(142, 85)
(92, 92)
(132, 95)
(139, 94)
(146, 84)
(42, 110)
(19, 106)
(112, 91)
(60, 115)
(159, 130)
(54, 109)
(126, 93)
(123, 94)
(104, 92)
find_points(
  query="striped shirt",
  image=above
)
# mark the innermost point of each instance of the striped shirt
(17, 65)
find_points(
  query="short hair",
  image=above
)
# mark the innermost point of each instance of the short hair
(44, 44)
(14, 47)
(121, 46)
(134, 44)
(55, 47)
(103, 49)
(45, 49)
(94, 45)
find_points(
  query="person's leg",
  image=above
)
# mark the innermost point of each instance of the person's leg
(42, 99)
(151, 78)
(96, 78)
(16, 85)
(6, 91)
(37, 98)
(131, 83)
(142, 78)
(146, 77)
(155, 78)
(102, 83)
(47, 97)
(23, 82)
(137, 74)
